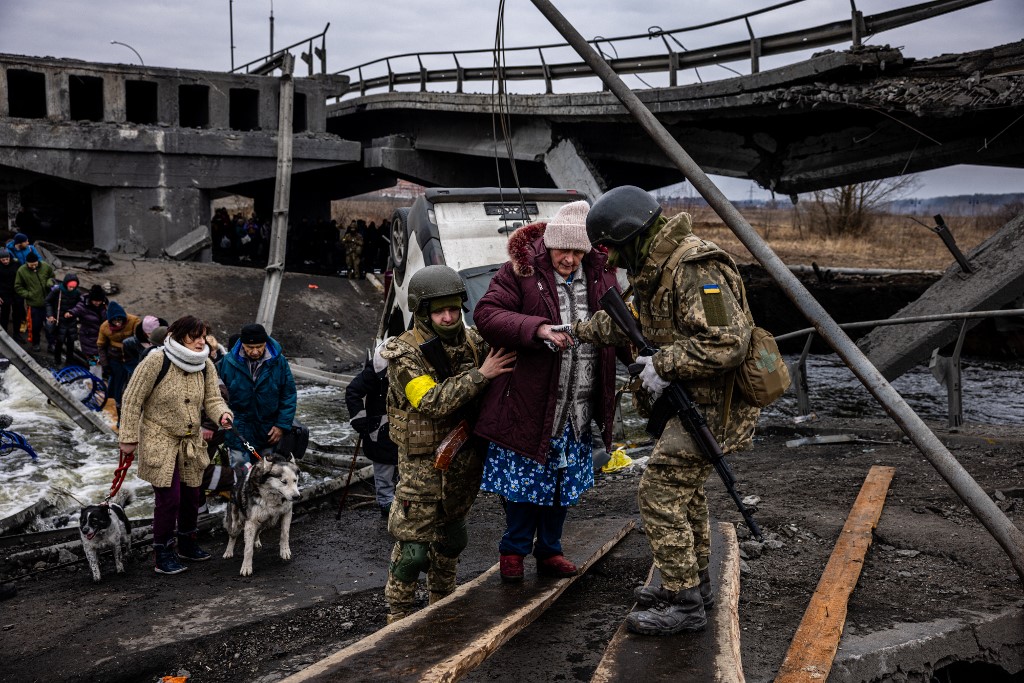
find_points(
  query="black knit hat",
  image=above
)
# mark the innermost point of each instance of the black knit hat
(96, 293)
(31, 258)
(253, 333)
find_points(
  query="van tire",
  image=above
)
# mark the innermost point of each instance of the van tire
(399, 248)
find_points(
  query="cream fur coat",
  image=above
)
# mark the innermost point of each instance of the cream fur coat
(165, 420)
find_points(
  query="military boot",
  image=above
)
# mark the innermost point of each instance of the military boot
(441, 576)
(707, 593)
(647, 596)
(684, 612)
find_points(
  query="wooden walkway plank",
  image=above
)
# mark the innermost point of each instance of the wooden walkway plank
(814, 646)
(446, 640)
(710, 655)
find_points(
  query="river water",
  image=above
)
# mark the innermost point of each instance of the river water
(84, 464)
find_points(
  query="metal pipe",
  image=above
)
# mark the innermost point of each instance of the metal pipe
(1009, 537)
(937, 317)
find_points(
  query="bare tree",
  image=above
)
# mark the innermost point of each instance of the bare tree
(851, 209)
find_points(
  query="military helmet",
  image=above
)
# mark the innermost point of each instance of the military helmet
(620, 214)
(432, 282)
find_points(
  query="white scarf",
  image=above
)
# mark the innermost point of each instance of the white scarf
(185, 358)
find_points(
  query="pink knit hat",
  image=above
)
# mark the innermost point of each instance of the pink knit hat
(568, 229)
(150, 323)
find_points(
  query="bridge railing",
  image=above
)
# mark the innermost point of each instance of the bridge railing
(674, 59)
(267, 63)
(945, 369)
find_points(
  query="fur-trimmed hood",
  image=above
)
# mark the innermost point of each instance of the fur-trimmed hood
(526, 244)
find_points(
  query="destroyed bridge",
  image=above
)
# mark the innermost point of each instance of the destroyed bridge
(144, 150)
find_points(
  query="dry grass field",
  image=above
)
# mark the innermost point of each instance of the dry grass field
(891, 242)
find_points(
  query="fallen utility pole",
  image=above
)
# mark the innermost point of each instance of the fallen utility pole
(282, 192)
(1009, 537)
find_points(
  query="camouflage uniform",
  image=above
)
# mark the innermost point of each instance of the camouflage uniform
(428, 517)
(353, 243)
(689, 298)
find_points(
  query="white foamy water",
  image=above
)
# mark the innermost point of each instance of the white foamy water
(84, 463)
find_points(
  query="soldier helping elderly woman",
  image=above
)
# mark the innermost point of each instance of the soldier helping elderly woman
(533, 403)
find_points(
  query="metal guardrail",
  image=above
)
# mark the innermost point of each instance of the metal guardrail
(945, 369)
(267, 63)
(672, 60)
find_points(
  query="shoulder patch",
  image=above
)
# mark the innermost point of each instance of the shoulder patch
(714, 308)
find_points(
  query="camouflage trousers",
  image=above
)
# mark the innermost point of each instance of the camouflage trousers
(352, 261)
(444, 536)
(674, 510)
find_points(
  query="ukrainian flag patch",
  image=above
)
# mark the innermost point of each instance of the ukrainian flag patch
(714, 307)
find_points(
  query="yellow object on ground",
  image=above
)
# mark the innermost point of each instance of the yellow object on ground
(618, 461)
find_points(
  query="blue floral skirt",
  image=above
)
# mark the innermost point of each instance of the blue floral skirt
(568, 472)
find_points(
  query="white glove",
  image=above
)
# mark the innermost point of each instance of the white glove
(652, 381)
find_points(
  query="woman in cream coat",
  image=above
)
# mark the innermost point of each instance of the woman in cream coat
(161, 421)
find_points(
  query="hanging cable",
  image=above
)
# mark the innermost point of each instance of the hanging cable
(500, 113)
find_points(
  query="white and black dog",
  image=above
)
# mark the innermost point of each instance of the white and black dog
(261, 498)
(103, 526)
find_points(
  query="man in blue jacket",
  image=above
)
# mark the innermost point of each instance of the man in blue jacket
(261, 393)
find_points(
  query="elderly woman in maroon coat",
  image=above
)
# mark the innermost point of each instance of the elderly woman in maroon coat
(538, 418)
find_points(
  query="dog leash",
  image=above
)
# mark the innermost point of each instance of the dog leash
(248, 446)
(124, 462)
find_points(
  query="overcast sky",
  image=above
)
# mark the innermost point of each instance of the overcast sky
(194, 34)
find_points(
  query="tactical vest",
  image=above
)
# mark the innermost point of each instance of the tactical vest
(657, 311)
(413, 432)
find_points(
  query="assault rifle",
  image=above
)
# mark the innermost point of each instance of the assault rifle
(676, 401)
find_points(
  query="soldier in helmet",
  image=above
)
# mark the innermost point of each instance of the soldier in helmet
(436, 371)
(690, 299)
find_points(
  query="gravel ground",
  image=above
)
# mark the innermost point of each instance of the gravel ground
(930, 559)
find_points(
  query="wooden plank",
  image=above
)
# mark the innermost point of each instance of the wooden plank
(814, 646)
(709, 655)
(446, 640)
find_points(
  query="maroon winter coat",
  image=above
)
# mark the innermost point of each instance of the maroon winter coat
(518, 409)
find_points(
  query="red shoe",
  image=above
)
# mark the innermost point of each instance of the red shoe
(511, 567)
(556, 566)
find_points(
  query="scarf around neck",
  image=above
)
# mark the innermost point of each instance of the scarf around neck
(188, 360)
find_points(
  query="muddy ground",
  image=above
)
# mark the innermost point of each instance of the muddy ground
(930, 559)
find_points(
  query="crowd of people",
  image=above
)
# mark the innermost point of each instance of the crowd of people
(508, 406)
(445, 410)
(321, 246)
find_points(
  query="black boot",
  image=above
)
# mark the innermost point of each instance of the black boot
(647, 596)
(165, 559)
(685, 612)
(707, 593)
(188, 547)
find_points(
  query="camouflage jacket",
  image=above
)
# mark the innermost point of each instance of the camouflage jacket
(423, 410)
(689, 297)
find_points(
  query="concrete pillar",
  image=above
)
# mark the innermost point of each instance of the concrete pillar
(270, 103)
(145, 220)
(114, 102)
(220, 108)
(571, 170)
(58, 95)
(5, 110)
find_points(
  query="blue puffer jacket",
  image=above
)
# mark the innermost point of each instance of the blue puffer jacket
(258, 405)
